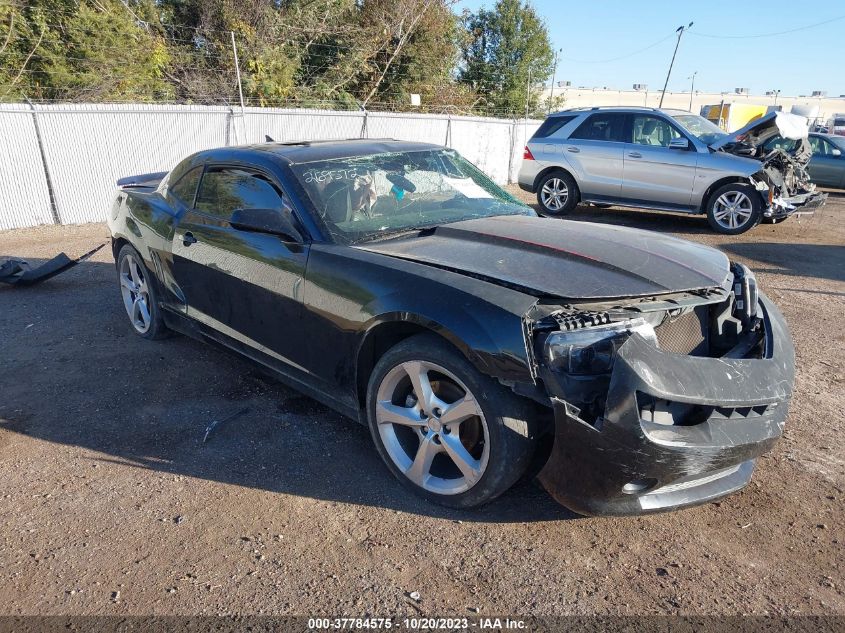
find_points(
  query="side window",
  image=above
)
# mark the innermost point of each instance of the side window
(551, 125)
(820, 146)
(650, 130)
(224, 189)
(185, 188)
(606, 126)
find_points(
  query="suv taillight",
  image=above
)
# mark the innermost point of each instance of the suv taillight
(527, 155)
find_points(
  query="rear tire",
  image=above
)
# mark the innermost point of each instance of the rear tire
(734, 209)
(461, 443)
(140, 298)
(557, 193)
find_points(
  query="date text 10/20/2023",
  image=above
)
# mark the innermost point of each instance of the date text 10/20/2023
(416, 624)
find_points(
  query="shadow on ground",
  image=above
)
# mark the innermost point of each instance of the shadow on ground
(823, 261)
(77, 375)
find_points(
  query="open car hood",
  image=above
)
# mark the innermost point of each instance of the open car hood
(566, 259)
(749, 138)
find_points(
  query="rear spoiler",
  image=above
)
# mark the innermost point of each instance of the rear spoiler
(142, 181)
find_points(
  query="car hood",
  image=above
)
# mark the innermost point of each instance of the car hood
(565, 259)
(757, 132)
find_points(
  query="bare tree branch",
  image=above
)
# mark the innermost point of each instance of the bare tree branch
(26, 61)
(397, 50)
(9, 34)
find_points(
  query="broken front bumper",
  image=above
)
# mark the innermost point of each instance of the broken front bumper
(627, 464)
(802, 203)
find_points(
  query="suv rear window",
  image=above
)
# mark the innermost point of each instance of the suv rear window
(603, 126)
(552, 125)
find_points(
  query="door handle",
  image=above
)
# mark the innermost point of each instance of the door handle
(189, 239)
(574, 150)
(635, 155)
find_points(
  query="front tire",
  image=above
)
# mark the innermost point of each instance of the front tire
(137, 287)
(734, 209)
(448, 433)
(557, 193)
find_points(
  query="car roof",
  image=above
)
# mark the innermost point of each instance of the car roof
(571, 111)
(309, 151)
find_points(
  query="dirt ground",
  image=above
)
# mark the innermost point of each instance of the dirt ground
(112, 504)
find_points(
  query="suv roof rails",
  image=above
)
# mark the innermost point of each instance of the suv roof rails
(616, 107)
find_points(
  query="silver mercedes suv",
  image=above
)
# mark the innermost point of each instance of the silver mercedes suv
(670, 160)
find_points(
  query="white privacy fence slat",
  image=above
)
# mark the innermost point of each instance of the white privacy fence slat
(24, 195)
(80, 150)
(89, 149)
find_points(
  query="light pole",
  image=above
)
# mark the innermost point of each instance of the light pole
(692, 89)
(776, 93)
(680, 32)
(554, 75)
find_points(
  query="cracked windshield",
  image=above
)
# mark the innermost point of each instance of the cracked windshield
(364, 198)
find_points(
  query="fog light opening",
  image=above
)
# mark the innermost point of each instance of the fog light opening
(638, 486)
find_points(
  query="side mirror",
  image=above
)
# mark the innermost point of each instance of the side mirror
(269, 221)
(837, 152)
(679, 143)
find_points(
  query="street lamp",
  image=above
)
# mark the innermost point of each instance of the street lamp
(776, 93)
(692, 88)
(680, 31)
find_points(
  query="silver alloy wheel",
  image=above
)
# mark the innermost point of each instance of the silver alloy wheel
(451, 450)
(136, 296)
(732, 209)
(554, 194)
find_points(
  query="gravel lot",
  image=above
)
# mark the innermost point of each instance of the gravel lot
(111, 503)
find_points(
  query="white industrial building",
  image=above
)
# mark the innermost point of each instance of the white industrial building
(647, 96)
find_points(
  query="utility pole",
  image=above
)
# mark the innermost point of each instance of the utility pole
(527, 97)
(554, 75)
(692, 89)
(527, 101)
(237, 71)
(680, 32)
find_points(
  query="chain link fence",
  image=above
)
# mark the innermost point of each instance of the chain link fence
(59, 162)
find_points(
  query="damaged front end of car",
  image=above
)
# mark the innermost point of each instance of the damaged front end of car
(783, 180)
(784, 183)
(662, 402)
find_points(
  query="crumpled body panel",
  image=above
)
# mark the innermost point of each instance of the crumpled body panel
(628, 464)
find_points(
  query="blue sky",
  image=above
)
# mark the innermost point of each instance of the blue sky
(591, 31)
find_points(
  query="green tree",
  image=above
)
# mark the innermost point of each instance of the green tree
(319, 53)
(506, 46)
(376, 53)
(81, 51)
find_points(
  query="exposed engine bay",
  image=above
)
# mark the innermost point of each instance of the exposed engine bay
(783, 181)
(577, 344)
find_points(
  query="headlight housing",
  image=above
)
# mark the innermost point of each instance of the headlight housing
(745, 293)
(592, 350)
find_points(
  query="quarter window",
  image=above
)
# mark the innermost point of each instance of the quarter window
(224, 189)
(186, 187)
(605, 126)
(650, 130)
(551, 125)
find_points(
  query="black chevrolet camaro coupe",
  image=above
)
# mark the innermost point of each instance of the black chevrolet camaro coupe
(399, 285)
